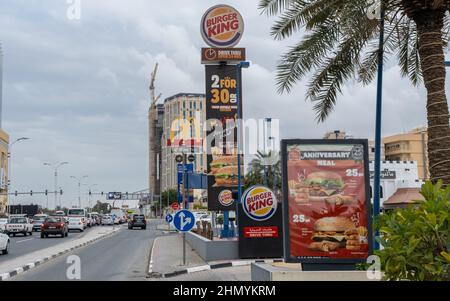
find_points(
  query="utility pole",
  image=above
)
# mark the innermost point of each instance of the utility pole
(152, 119)
(56, 179)
(79, 187)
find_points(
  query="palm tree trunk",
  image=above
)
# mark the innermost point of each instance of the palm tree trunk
(429, 26)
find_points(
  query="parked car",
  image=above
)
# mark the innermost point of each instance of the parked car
(76, 223)
(19, 225)
(204, 217)
(4, 243)
(54, 225)
(107, 220)
(38, 220)
(3, 222)
(138, 220)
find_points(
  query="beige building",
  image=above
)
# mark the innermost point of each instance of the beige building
(4, 142)
(411, 146)
(184, 116)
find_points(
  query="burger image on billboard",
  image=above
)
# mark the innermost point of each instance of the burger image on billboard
(324, 184)
(259, 203)
(222, 26)
(225, 171)
(332, 233)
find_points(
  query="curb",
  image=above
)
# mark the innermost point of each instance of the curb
(39, 262)
(218, 266)
(150, 265)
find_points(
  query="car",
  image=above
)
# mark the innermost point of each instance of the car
(4, 243)
(19, 224)
(38, 220)
(138, 220)
(3, 222)
(76, 223)
(107, 220)
(204, 217)
(54, 225)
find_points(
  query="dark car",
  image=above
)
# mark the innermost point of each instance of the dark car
(54, 225)
(137, 220)
(38, 220)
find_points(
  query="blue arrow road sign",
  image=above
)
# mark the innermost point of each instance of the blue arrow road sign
(184, 220)
(169, 218)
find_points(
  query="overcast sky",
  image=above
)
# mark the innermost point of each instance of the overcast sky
(79, 88)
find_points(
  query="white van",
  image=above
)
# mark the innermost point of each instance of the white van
(78, 213)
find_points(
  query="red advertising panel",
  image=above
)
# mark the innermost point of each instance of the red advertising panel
(327, 205)
(261, 232)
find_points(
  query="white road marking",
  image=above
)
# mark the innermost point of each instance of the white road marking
(18, 242)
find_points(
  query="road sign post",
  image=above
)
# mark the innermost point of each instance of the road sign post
(184, 221)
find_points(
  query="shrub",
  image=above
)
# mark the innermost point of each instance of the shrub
(416, 240)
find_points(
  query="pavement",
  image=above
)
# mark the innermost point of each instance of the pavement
(123, 256)
(166, 262)
(167, 255)
(19, 264)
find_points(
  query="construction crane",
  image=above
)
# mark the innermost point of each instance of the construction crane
(152, 121)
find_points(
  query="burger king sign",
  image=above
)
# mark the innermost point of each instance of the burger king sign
(259, 203)
(222, 26)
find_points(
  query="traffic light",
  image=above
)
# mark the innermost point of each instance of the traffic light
(31, 193)
(15, 193)
(61, 192)
(90, 192)
(46, 192)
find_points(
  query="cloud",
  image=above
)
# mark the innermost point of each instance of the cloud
(79, 88)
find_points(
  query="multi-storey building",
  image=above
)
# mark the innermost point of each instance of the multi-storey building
(4, 148)
(411, 146)
(184, 117)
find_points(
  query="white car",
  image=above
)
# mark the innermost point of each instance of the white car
(107, 220)
(3, 222)
(19, 224)
(4, 243)
(76, 223)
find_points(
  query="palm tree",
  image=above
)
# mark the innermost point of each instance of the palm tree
(341, 43)
(256, 169)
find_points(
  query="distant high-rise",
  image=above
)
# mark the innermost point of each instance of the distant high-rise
(1, 84)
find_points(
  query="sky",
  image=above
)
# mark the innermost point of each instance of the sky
(78, 87)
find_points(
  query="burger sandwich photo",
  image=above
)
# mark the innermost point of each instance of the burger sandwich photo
(323, 185)
(227, 176)
(221, 162)
(330, 233)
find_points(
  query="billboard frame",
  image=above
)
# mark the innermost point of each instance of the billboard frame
(324, 263)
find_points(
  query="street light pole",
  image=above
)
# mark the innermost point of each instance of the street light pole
(90, 199)
(56, 180)
(8, 204)
(377, 171)
(79, 187)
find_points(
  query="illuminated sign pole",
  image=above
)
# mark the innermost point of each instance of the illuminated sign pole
(222, 27)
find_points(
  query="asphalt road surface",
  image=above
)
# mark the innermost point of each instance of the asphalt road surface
(22, 245)
(122, 257)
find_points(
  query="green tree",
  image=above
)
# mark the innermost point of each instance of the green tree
(340, 43)
(169, 196)
(416, 240)
(101, 207)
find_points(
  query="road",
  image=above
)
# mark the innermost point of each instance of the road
(122, 257)
(21, 245)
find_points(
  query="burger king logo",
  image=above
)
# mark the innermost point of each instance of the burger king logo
(222, 26)
(259, 203)
(226, 198)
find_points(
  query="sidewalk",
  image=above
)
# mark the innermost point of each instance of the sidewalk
(26, 262)
(167, 255)
(166, 260)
